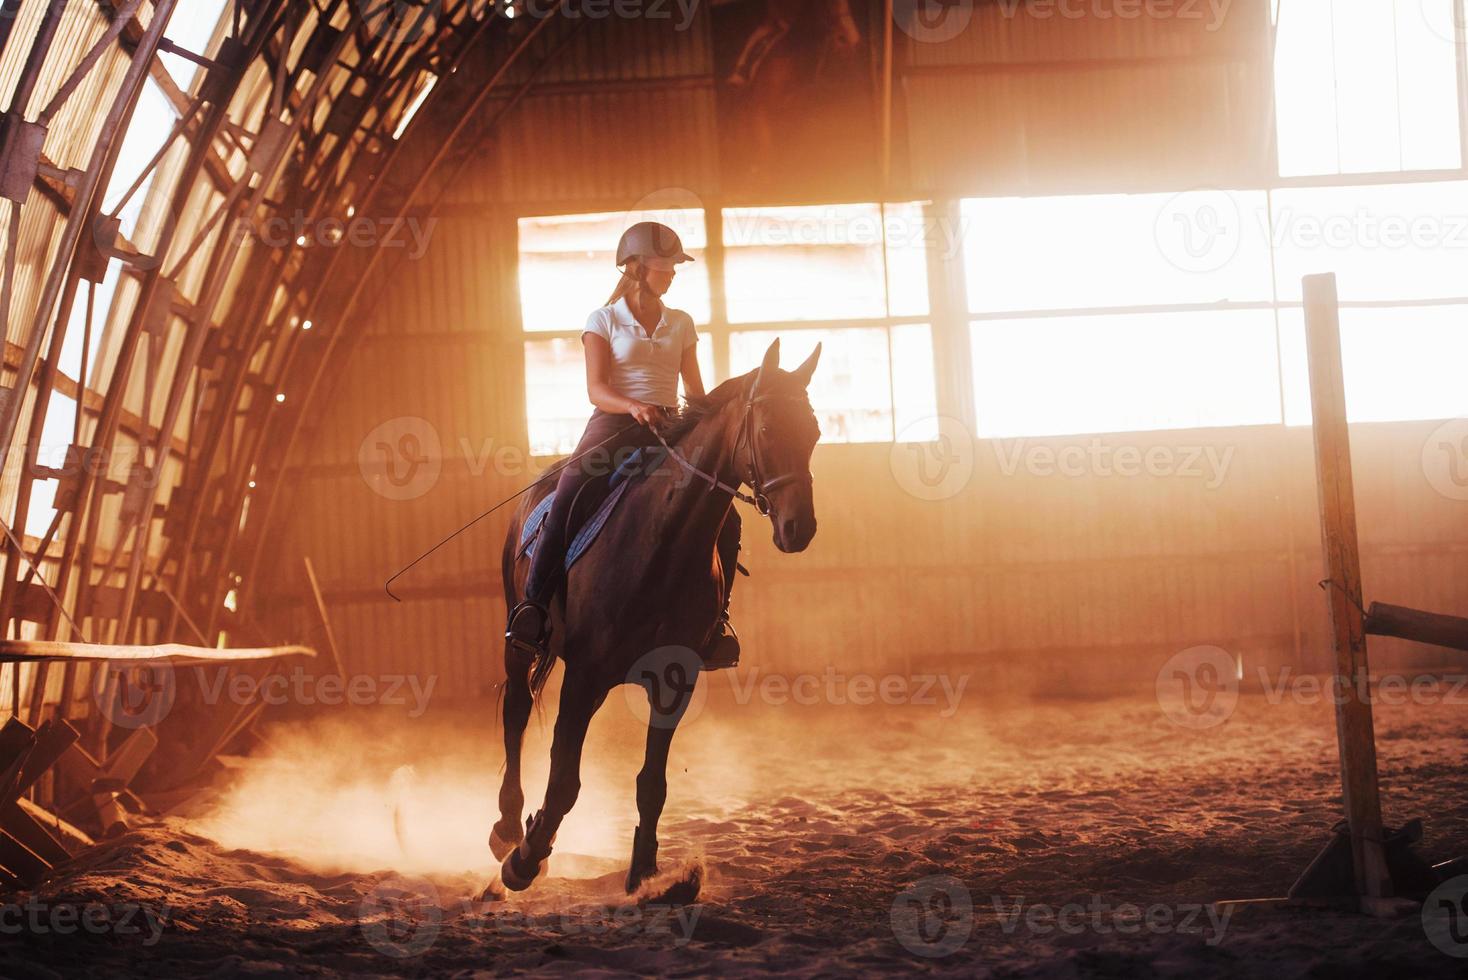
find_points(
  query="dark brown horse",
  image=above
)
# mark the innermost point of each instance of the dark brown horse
(648, 594)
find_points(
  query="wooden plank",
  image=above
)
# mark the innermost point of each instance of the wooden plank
(1355, 735)
(36, 650)
(336, 657)
(1384, 619)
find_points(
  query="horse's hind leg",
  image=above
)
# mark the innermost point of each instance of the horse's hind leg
(579, 702)
(507, 833)
(667, 703)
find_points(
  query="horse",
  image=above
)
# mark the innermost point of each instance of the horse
(648, 593)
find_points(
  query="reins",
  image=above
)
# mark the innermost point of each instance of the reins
(760, 499)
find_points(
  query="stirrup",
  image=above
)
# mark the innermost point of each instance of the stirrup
(521, 636)
(722, 651)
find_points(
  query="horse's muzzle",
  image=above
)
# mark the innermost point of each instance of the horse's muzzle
(794, 534)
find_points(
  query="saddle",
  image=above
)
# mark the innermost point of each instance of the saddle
(599, 498)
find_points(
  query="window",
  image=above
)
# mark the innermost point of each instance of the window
(1106, 346)
(1364, 87)
(825, 262)
(568, 267)
(1398, 252)
(1399, 364)
(785, 272)
(861, 264)
(1123, 373)
(873, 383)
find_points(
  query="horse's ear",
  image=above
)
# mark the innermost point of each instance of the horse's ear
(804, 372)
(770, 365)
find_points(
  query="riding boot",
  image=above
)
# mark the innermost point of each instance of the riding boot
(722, 649)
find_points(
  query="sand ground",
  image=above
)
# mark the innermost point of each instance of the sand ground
(1069, 839)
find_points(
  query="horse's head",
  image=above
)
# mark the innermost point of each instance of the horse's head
(778, 432)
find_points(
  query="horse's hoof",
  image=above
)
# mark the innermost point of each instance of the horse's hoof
(500, 845)
(644, 858)
(516, 879)
(635, 877)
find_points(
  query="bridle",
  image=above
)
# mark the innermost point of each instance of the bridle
(758, 483)
(745, 435)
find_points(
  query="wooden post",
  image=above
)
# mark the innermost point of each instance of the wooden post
(1354, 730)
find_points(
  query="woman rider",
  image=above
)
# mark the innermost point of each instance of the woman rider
(636, 349)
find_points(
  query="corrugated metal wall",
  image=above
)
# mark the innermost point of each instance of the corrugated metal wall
(1066, 583)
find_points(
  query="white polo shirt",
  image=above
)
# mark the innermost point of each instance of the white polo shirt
(643, 367)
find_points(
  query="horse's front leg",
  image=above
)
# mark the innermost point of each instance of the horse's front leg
(668, 693)
(579, 701)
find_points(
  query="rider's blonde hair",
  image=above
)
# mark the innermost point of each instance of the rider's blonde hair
(628, 282)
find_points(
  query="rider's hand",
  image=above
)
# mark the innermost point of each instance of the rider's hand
(649, 415)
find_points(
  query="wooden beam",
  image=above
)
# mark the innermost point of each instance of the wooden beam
(1355, 733)
(1383, 619)
(27, 651)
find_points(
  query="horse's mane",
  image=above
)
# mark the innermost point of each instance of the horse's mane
(699, 409)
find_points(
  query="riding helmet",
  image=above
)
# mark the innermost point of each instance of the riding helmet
(648, 238)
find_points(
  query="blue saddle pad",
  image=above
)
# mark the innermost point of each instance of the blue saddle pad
(583, 539)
